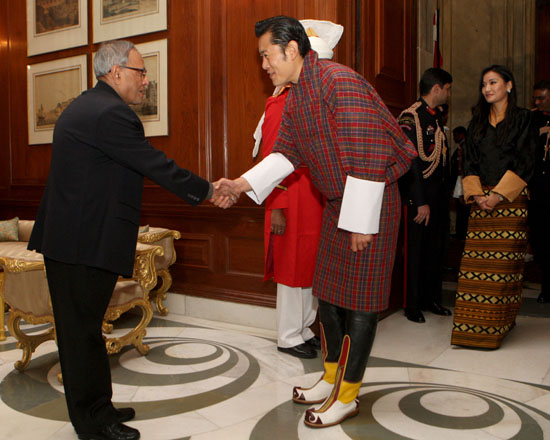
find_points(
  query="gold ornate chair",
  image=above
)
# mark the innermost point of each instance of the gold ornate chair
(164, 238)
(25, 290)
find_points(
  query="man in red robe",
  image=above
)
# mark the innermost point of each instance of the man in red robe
(335, 123)
(293, 221)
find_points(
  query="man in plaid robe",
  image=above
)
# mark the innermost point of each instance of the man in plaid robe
(336, 124)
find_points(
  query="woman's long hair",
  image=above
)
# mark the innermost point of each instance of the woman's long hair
(480, 112)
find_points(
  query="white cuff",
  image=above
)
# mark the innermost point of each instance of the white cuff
(267, 175)
(361, 206)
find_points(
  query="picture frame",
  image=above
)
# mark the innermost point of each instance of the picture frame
(153, 112)
(51, 87)
(115, 19)
(52, 26)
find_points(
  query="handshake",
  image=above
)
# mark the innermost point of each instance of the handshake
(227, 192)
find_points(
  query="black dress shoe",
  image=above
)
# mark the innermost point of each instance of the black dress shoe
(415, 316)
(543, 299)
(116, 431)
(303, 351)
(438, 309)
(124, 414)
(315, 342)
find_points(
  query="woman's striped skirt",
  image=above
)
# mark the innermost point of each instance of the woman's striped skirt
(491, 274)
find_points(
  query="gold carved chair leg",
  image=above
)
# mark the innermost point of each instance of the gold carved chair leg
(134, 336)
(158, 294)
(27, 343)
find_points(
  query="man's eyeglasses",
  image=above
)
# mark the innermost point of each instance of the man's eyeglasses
(142, 70)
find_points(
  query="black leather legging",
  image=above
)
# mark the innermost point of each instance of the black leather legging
(361, 328)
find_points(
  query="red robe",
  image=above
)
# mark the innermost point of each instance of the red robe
(336, 124)
(290, 258)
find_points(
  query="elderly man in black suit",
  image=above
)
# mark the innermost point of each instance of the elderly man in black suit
(87, 226)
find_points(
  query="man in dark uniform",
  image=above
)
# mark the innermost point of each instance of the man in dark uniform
(425, 197)
(539, 204)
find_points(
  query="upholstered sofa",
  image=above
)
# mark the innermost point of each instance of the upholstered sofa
(25, 290)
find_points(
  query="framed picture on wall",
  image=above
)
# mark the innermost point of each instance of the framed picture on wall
(114, 19)
(153, 112)
(56, 24)
(51, 87)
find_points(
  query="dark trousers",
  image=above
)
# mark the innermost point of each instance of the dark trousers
(425, 254)
(361, 329)
(539, 237)
(462, 214)
(80, 296)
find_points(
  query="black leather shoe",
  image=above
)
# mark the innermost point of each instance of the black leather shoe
(314, 342)
(415, 316)
(543, 299)
(116, 431)
(124, 414)
(438, 309)
(303, 351)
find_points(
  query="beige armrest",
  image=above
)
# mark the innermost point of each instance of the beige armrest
(165, 238)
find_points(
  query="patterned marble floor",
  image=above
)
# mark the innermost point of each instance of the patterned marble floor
(205, 380)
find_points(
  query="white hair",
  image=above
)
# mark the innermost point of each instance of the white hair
(111, 53)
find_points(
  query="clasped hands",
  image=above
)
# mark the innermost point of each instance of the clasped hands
(487, 202)
(227, 192)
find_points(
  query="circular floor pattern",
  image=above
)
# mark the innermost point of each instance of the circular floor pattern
(207, 367)
(424, 411)
(36, 396)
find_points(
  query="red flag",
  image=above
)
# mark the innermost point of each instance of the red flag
(438, 59)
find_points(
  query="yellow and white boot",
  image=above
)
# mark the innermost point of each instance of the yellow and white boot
(321, 390)
(342, 402)
(354, 353)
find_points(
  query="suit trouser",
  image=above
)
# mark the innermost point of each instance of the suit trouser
(425, 256)
(80, 296)
(296, 311)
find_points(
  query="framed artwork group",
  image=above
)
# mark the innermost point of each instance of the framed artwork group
(54, 25)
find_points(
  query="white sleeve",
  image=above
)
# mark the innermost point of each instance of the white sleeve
(361, 206)
(267, 175)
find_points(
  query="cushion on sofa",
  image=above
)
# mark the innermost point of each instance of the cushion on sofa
(9, 230)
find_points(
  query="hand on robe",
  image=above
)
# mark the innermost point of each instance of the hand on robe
(359, 241)
(278, 222)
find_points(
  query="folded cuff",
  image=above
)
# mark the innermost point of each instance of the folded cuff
(510, 186)
(471, 186)
(267, 175)
(361, 206)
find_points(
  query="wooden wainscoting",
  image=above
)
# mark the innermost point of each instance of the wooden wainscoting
(217, 92)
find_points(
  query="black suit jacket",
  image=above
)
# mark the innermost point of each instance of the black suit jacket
(91, 205)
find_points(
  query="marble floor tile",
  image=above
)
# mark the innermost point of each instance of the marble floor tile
(205, 380)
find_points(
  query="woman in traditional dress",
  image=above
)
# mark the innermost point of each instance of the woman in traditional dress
(498, 163)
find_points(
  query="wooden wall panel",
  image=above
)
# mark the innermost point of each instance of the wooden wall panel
(388, 50)
(5, 155)
(217, 92)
